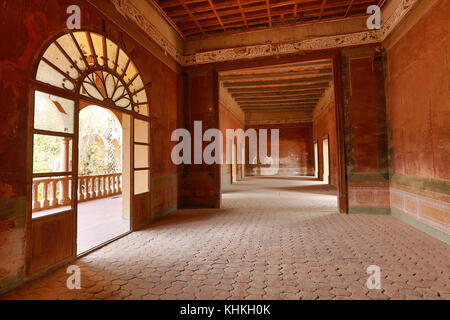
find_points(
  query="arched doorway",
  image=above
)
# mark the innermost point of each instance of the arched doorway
(103, 211)
(77, 70)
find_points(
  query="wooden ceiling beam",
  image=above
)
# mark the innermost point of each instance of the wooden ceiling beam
(280, 88)
(278, 103)
(349, 8)
(175, 3)
(217, 15)
(323, 63)
(309, 107)
(204, 12)
(277, 82)
(320, 72)
(322, 9)
(312, 93)
(262, 96)
(280, 109)
(260, 26)
(268, 13)
(278, 98)
(191, 15)
(243, 14)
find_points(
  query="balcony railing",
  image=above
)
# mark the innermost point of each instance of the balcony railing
(49, 193)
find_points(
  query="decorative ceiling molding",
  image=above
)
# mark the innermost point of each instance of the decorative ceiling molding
(402, 10)
(128, 10)
(269, 49)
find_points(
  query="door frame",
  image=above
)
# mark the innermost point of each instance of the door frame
(326, 137)
(335, 56)
(74, 95)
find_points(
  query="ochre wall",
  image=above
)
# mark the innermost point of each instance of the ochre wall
(324, 125)
(228, 121)
(199, 184)
(296, 155)
(31, 25)
(365, 131)
(418, 85)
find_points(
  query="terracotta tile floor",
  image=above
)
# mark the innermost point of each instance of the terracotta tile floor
(275, 238)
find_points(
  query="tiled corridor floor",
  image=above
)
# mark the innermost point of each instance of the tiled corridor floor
(274, 238)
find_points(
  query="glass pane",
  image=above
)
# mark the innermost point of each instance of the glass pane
(90, 87)
(141, 155)
(47, 74)
(141, 181)
(124, 102)
(120, 91)
(136, 84)
(122, 62)
(140, 131)
(55, 56)
(72, 51)
(111, 48)
(131, 72)
(140, 97)
(84, 45)
(110, 83)
(97, 40)
(53, 113)
(51, 154)
(51, 195)
(142, 109)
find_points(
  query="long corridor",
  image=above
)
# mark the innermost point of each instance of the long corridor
(274, 238)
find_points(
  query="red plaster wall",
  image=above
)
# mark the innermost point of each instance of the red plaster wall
(199, 183)
(227, 121)
(419, 96)
(296, 154)
(325, 125)
(26, 27)
(419, 109)
(364, 115)
(366, 133)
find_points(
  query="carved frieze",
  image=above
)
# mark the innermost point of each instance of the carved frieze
(127, 9)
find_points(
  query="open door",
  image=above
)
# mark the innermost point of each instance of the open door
(103, 192)
(316, 160)
(83, 68)
(326, 161)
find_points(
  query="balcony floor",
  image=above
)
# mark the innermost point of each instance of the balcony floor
(99, 221)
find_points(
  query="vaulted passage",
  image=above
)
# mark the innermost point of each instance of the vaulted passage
(200, 149)
(274, 238)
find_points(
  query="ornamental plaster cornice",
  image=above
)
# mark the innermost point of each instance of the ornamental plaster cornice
(129, 11)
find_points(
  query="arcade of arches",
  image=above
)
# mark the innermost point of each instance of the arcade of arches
(86, 175)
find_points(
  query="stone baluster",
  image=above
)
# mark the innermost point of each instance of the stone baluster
(45, 202)
(54, 201)
(34, 203)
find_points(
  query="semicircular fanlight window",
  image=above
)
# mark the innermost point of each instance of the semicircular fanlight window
(114, 76)
(104, 86)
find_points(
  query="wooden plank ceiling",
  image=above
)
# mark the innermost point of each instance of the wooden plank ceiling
(205, 18)
(289, 87)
